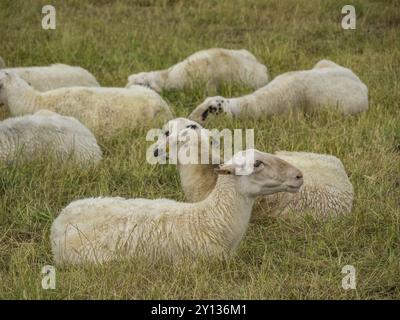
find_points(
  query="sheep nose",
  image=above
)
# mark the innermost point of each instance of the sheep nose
(156, 152)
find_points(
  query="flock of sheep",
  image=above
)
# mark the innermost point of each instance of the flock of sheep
(58, 110)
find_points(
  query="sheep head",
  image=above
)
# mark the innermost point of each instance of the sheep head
(146, 79)
(4, 78)
(172, 129)
(257, 173)
(8, 78)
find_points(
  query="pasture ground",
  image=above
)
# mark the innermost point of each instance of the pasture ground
(279, 258)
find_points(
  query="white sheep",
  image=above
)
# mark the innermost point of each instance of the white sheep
(47, 133)
(55, 76)
(212, 66)
(101, 109)
(326, 190)
(2, 63)
(326, 85)
(101, 229)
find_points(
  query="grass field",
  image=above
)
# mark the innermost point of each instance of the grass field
(279, 258)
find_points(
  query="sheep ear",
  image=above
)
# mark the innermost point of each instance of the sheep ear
(225, 169)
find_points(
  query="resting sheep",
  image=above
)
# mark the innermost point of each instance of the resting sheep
(212, 66)
(101, 229)
(326, 85)
(47, 133)
(55, 76)
(100, 109)
(326, 190)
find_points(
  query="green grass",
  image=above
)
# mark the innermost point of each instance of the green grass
(282, 258)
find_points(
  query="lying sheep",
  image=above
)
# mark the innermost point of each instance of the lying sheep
(197, 180)
(326, 190)
(326, 85)
(101, 229)
(55, 76)
(100, 109)
(213, 66)
(47, 133)
(2, 63)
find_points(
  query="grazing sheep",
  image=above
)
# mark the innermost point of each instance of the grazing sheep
(55, 76)
(47, 133)
(102, 229)
(326, 85)
(213, 66)
(326, 190)
(2, 63)
(100, 109)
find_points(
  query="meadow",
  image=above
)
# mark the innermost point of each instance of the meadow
(280, 257)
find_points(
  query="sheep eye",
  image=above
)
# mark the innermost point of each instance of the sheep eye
(257, 163)
(192, 126)
(167, 133)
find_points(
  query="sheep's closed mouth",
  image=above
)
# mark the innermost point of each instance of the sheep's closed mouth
(293, 188)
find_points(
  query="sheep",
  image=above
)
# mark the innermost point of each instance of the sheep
(55, 76)
(326, 85)
(197, 180)
(2, 63)
(98, 230)
(47, 133)
(101, 109)
(327, 189)
(212, 66)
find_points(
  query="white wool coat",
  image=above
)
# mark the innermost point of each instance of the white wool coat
(326, 85)
(100, 109)
(46, 133)
(55, 76)
(212, 66)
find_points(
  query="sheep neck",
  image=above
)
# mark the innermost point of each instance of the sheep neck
(197, 180)
(227, 212)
